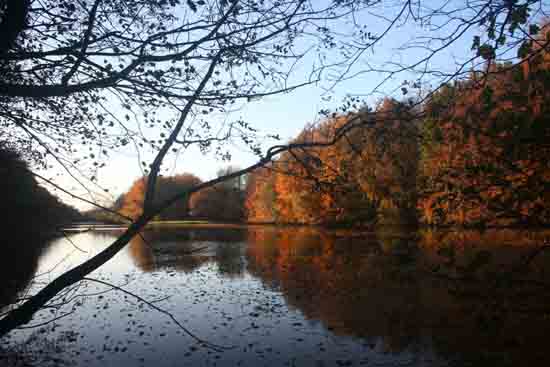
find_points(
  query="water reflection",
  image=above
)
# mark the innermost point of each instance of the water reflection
(383, 286)
(379, 286)
(18, 264)
(425, 294)
(188, 250)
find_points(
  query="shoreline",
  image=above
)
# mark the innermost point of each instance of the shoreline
(228, 225)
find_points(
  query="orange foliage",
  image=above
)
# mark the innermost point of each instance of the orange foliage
(489, 161)
(369, 172)
(166, 187)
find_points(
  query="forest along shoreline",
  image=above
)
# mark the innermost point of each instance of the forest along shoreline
(475, 155)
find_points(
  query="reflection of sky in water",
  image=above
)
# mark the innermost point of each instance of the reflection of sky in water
(266, 294)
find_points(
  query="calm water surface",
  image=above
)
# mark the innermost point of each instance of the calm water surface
(295, 297)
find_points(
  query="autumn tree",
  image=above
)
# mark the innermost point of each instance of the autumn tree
(218, 203)
(261, 197)
(222, 202)
(166, 187)
(367, 175)
(485, 147)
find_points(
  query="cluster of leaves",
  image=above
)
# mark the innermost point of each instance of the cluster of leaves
(500, 21)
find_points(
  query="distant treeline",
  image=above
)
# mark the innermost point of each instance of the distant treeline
(223, 202)
(477, 153)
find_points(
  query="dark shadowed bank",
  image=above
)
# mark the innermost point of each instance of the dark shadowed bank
(32, 215)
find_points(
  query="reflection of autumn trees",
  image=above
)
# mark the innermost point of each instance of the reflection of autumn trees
(460, 248)
(381, 288)
(142, 254)
(342, 281)
(153, 252)
(189, 250)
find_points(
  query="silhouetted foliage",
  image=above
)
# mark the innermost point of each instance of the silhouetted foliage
(30, 206)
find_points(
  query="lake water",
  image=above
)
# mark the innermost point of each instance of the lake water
(294, 296)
